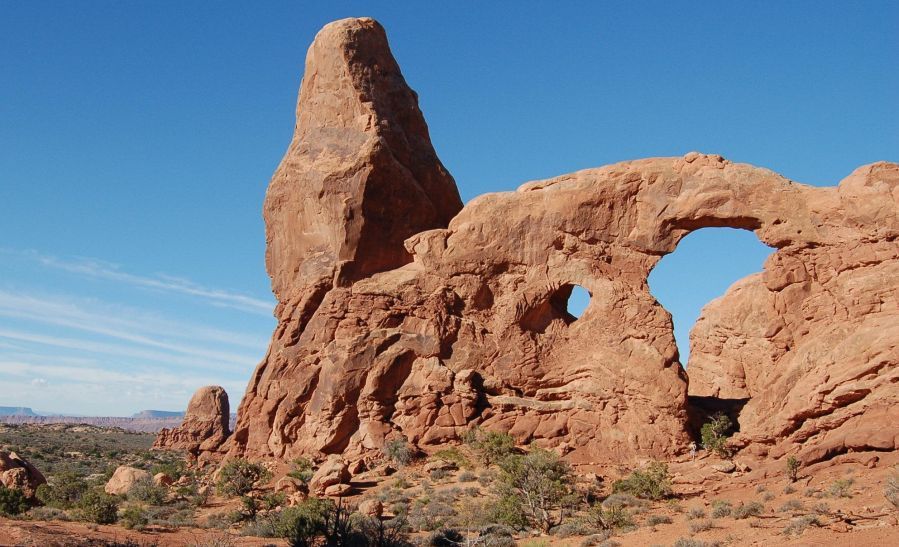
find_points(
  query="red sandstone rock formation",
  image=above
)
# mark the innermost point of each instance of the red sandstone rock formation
(18, 474)
(393, 322)
(205, 426)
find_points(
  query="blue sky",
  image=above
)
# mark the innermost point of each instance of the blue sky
(137, 140)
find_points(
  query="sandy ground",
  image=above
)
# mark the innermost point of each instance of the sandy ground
(865, 518)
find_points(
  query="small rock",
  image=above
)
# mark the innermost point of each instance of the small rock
(162, 479)
(371, 508)
(334, 471)
(724, 467)
(288, 485)
(337, 490)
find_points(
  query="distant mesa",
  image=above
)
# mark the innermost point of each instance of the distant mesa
(157, 414)
(16, 411)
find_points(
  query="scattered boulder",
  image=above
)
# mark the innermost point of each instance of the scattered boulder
(18, 474)
(371, 508)
(162, 479)
(333, 471)
(124, 478)
(724, 467)
(337, 490)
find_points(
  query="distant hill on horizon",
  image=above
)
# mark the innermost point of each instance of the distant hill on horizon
(16, 411)
(149, 414)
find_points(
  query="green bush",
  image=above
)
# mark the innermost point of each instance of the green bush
(541, 481)
(98, 507)
(12, 501)
(302, 469)
(752, 509)
(303, 524)
(651, 483)
(134, 517)
(454, 455)
(398, 451)
(508, 511)
(238, 477)
(490, 446)
(793, 468)
(145, 490)
(841, 488)
(721, 508)
(610, 517)
(63, 491)
(715, 434)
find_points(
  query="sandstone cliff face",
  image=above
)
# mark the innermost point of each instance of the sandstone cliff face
(399, 314)
(812, 343)
(205, 426)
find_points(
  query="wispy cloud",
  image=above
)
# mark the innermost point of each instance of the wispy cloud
(99, 269)
(239, 363)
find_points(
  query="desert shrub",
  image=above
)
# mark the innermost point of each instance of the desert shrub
(98, 507)
(623, 500)
(398, 451)
(688, 542)
(174, 468)
(508, 510)
(438, 474)
(496, 535)
(841, 488)
(63, 491)
(12, 501)
(891, 489)
(767, 496)
(454, 455)
(715, 433)
(446, 538)
(721, 508)
(147, 491)
(490, 446)
(429, 515)
(574, 528)
(47, 513)
(799, 525)
(696, 513)
(541, 481)
(793, 468)
(302, 470)
(467, 476)
(134, 517)
(651, 483)
(821, 508)
(303, 524)
(701, 526)
(598, 540)
(238, 476)
(792, 505)
(273, 500)
(744, 511)
(788, 489)
(609, 517)
(655, 520)
(374, 532)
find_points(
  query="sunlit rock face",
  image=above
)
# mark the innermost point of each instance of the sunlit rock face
(402, 313)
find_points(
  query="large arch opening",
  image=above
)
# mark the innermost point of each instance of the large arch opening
(702, 268)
